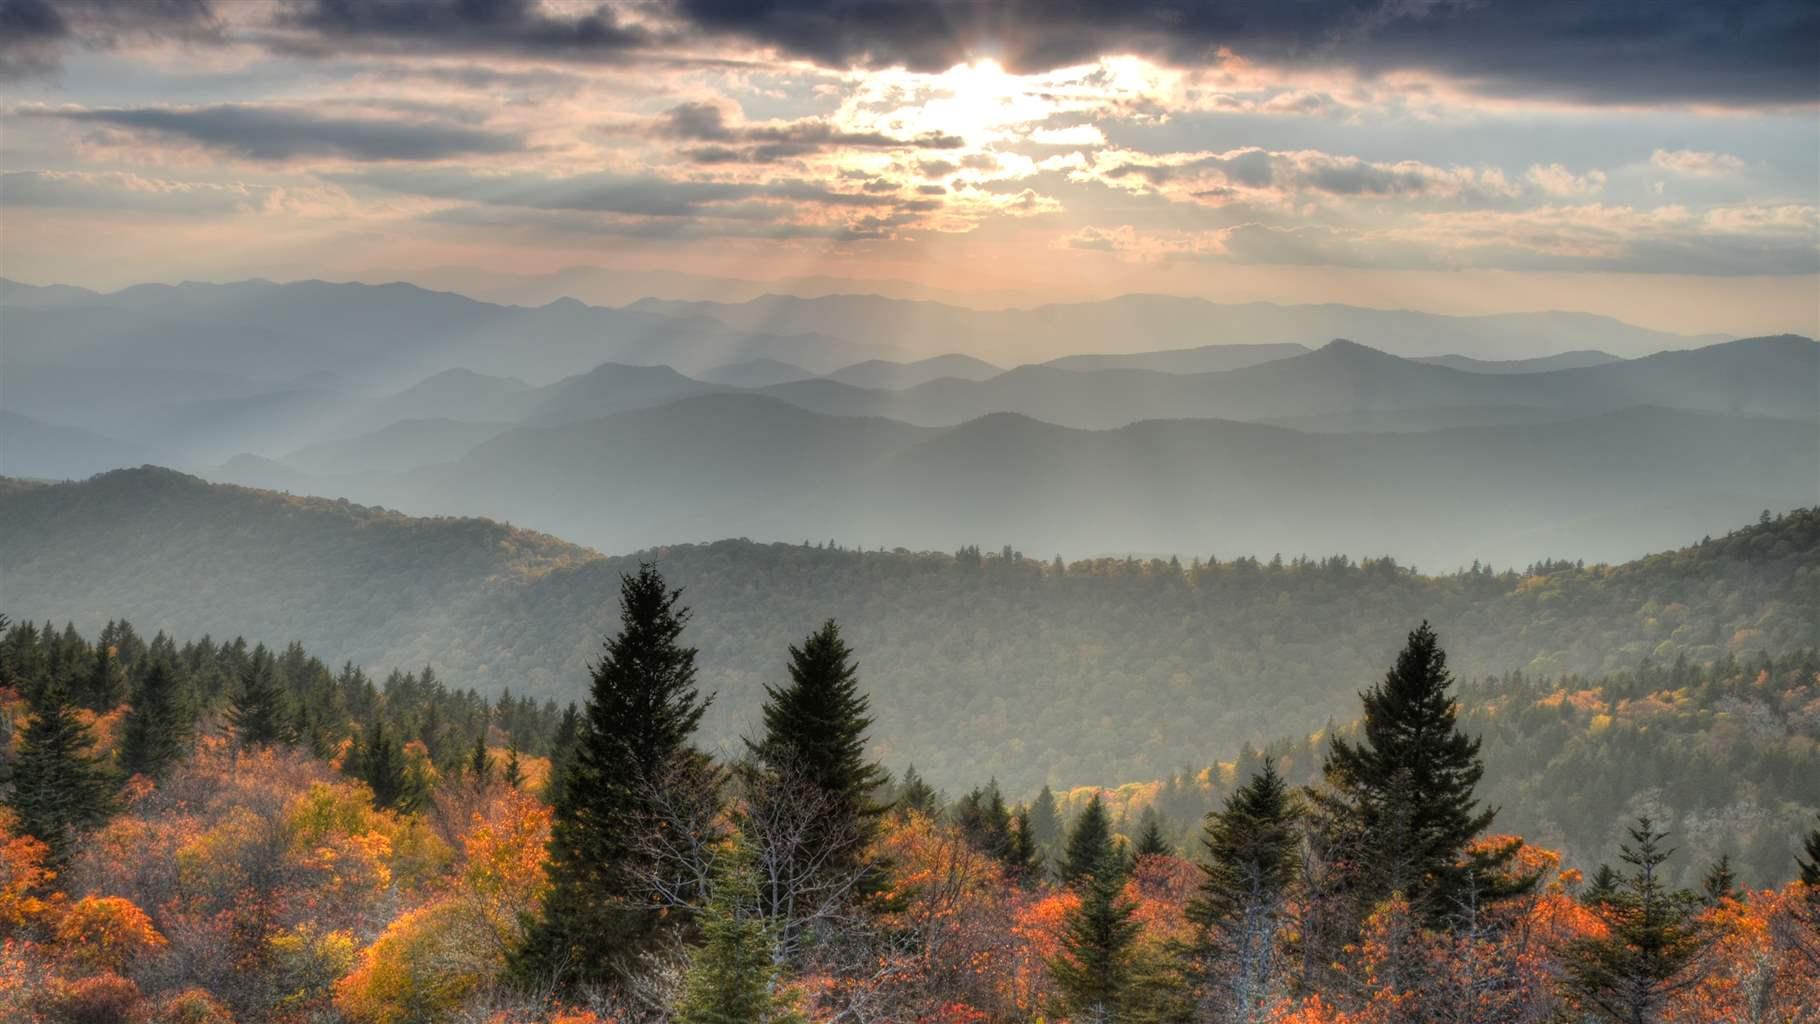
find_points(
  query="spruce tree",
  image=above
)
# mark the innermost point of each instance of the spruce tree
(59, 785)
(815, 734)
(1651, 939)
(732, 975)
(1720, 883)
(480, 763)
(104, 686)
(1399, 806)
(156, 733)
(915, 794)
(642, 709)
(1024, 860)
(1251, 860)
(1603, 888)
(259, 714)
(514, 775)
(1045, 821)
(1094, 969)
(1810, 866)
(1150, 841)
(381, 766)
(1089, 845)
(562, 752)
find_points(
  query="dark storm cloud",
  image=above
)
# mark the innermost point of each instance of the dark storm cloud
(500, 26)
(1741, 52)
(763, 144)
(267, 133)
(34, 33)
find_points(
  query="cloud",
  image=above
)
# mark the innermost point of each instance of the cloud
(1273, 174)
(1746, 52)
(282, 133)
(515, 27)
(606, 192)
(34, 33)
(1696, 163)
(770, 142)
(1557, 180)
(128, 192)
(1741, 240)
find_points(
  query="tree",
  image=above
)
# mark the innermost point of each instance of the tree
(1089, 844)
(1094, 966)
(258, 714)
(514, 774)
(59, 785)
(1720, 883)
(480, 763)
(915, 794)
(1045, 821)
(562, 752)
(732, 977)
(1252, 846)
(633, 744)
(105, 685)
(1023, 859)
(816, 728)
(1150, 841)
(381, 766)
(1810, 867)
(1400, 805)
(1651, 940)
(157, 728)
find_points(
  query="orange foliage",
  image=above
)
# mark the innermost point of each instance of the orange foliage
(106, 933)
(192, 1006)
(24, 878)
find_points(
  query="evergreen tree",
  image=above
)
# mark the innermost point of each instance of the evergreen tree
(380, 765)
(1810, 867)
(1024, 860)
(915, 794)
(642, 709)
(1094, 969)
(259, 715)
(1651, 941)
(1603, 888)
(1720, 883)
(562, 753)
(1251, 861)
(732, 975)
(104, 686)
(815, 734)
(59, 785)
(1150, 841)
(480, 763)
(983, 818)
(1090, 847)
(1045, 821)
(156, 733)
(1399, 807)
(514, 773)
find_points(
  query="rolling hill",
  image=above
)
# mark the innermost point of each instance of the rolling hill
(978, 666)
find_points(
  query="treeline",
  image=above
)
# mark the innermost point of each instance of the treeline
(1726, 754)
(169, 866)
(983, 665)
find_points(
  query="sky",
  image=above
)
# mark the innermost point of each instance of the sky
(1654, 160)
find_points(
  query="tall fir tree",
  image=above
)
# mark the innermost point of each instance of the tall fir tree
(1650, 939)
(1399, 807)
(815, 734)
(1094, 968)
(1024, 859)
(381, 766)
(643, 707)
(1045, 822)
(914, 794)
(1251, 861)
(104, 685)
(59, 785)
(260, 714)
(480, 763)
(1720, 882)
(562, 753)
(1089, 849)
(513, 775)
(156, 733)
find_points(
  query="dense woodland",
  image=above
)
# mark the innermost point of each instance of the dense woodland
(981, 664)
(210, 832)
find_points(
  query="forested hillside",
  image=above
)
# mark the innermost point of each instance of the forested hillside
(980, 665)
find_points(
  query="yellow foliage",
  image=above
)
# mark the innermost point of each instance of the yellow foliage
(106, 933)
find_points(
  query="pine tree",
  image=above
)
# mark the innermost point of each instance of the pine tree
(1399, 807)
(1720, 883)
(634, 740)
(104, 686)
(1094, 968)
(815, 733)
(1810, 867)
(1089, 844)
(156, 733)
(1150, 841)
(1045, 821)
(984, 820)
(514, 773)
(1251, 846)
(480, 763)
(381, 766)
(732, 974)
(59, 785)
(1603, 888)
(562, 753)
(915, 794)
(1024, 860)
(259, 714)
(1651, 940)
